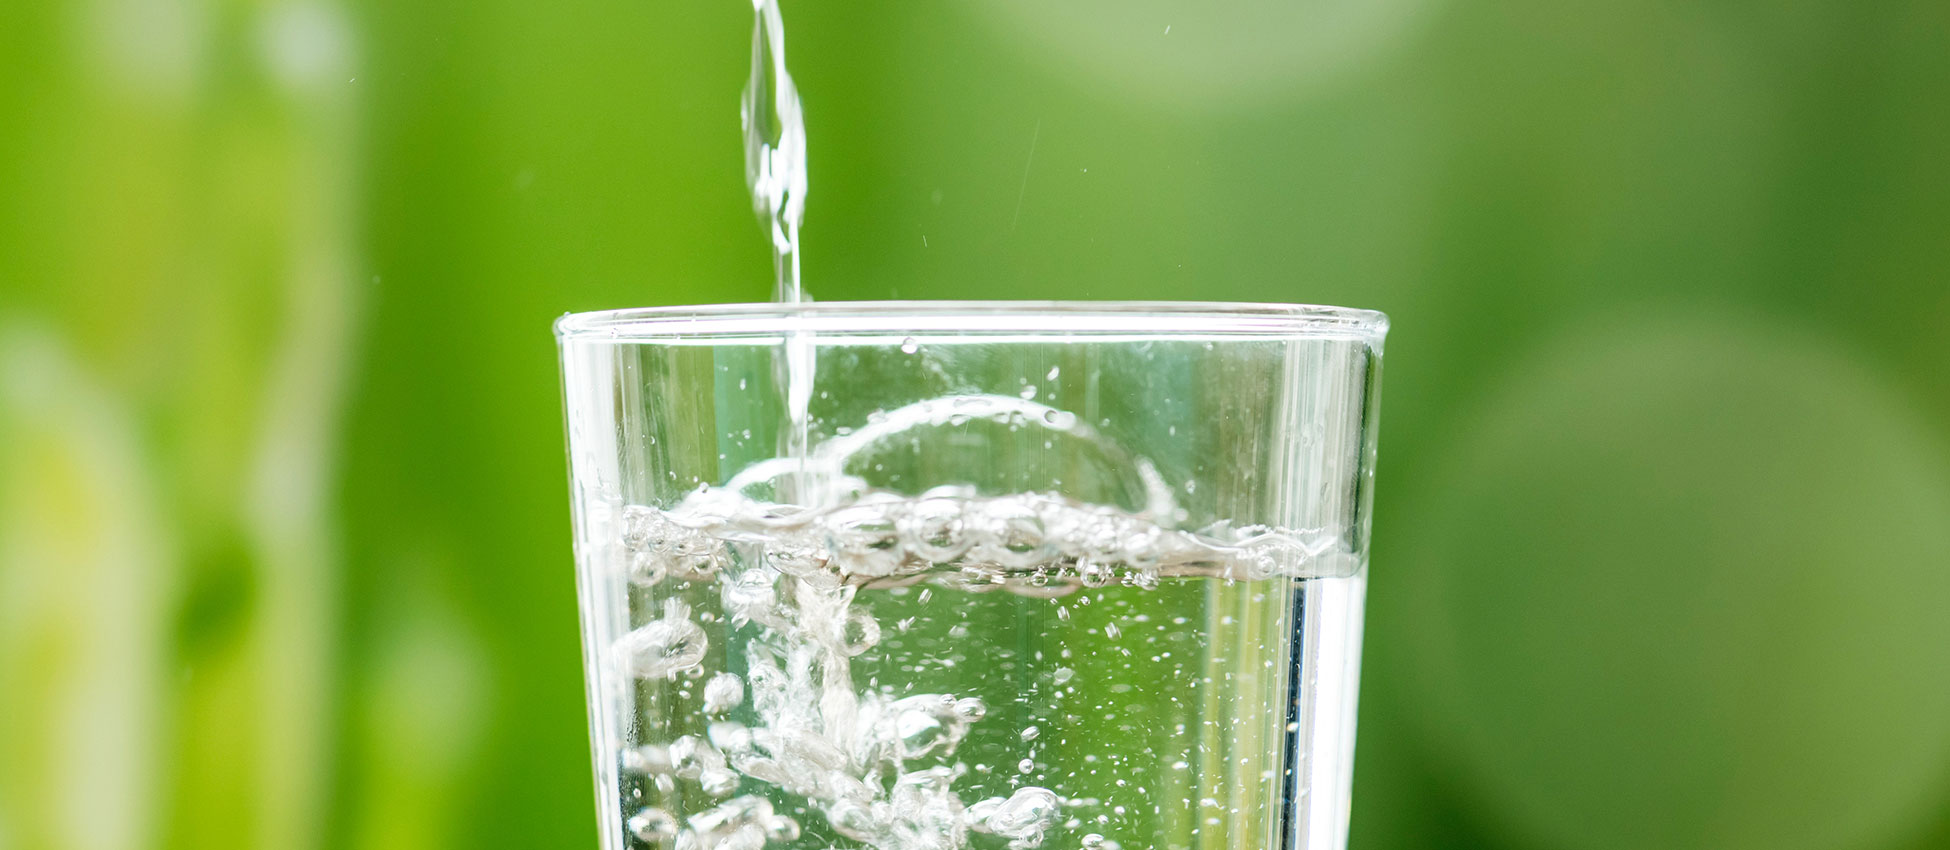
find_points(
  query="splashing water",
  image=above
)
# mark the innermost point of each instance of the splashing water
(797, 685)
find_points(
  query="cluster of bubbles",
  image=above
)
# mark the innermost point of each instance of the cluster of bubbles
(1029, 543)
(880, 769)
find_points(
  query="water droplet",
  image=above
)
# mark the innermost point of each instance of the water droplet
(910, 345)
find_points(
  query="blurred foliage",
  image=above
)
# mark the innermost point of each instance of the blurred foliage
(1663, 531)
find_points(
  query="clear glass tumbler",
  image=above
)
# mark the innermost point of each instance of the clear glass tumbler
(928, 576)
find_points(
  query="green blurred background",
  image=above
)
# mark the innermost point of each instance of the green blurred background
(1663, 535)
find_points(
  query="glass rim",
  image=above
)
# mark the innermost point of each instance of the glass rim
(1082, 318)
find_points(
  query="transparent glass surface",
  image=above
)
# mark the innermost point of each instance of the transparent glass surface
(925, 576)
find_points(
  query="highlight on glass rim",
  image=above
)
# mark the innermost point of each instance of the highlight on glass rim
(960, 450)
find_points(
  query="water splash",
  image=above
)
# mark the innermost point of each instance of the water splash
(869, 763)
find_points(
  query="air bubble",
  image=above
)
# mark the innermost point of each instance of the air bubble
(1093, 574)
(653, 826)
(646, 760)
(723, 693)
(851, 820)
(717, 782)
(1023, 818)
(934, 530)
(866, 540)
(647, 569)
(666, 647)
(735, 824)
(645, 529)
(747, 837)
(1017, 533)
(798, 558)
(782, 829)
(695, 557)
(920, 733)
(860, 632)
(749, 596)
(730, 736)
(910, 345)
(686, 759)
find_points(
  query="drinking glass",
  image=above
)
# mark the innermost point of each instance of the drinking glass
(928, 576)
